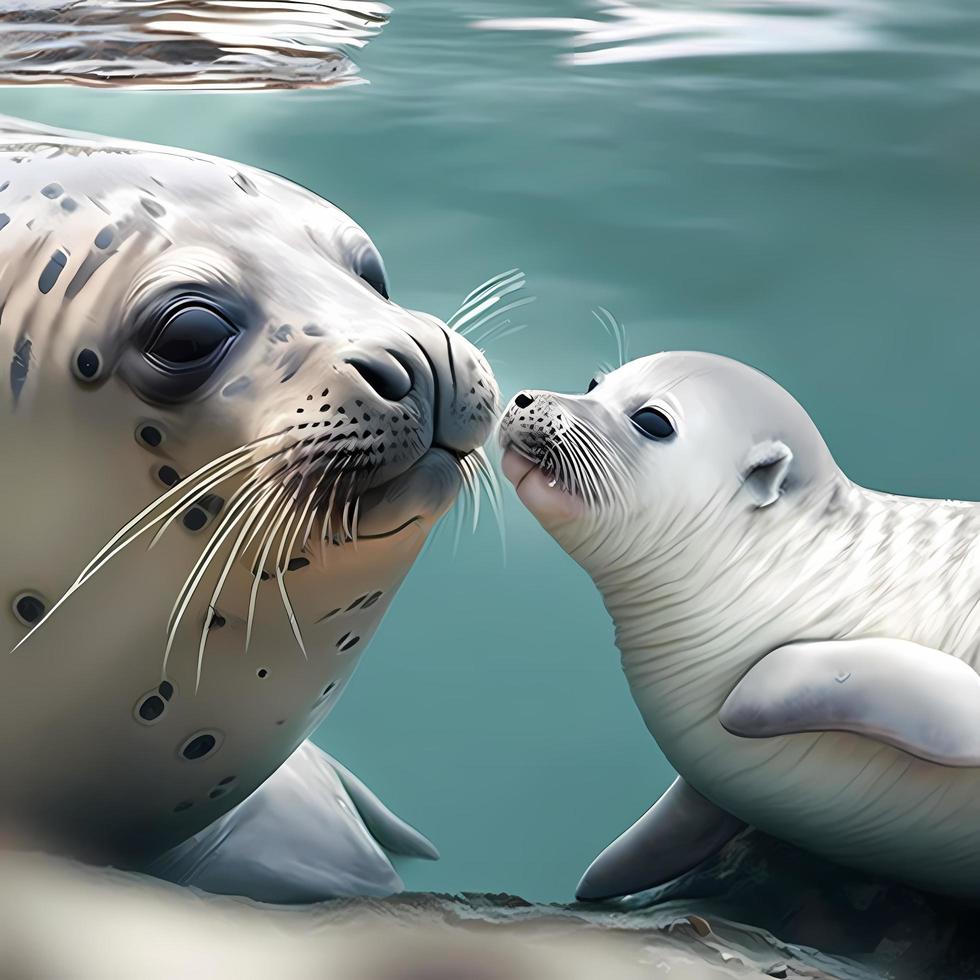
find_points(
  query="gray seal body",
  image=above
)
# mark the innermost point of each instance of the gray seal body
(804, 650)
(224, 446)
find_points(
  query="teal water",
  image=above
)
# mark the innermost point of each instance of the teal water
(796, 185)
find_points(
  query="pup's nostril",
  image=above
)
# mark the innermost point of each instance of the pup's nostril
(385, 375)
(523, 400)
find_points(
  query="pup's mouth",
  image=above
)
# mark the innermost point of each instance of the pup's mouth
(540, 483)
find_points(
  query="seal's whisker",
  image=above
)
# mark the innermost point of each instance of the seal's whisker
(484, 297)
(131, 531)
(327, 533)
(498, 333)
(239, 502)
(591, 463)
(496, 312)
(201, 566)
(308, 508)
(256, 514)
(616, 330)
(284, 594)
(488, 286)
(194, 494)
(183, 488)
(467, 501)
(592, 460)
(265, 546)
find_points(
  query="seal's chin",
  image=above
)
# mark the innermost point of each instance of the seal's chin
(538, 490)
(414, 499)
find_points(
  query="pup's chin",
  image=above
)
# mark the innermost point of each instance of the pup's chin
(547, 501)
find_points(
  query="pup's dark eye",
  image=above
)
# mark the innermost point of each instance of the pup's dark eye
(191, 336)
(593, 384)
(653, 423)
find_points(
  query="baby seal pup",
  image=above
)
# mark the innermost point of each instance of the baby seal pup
(803, 649)
(224, 446)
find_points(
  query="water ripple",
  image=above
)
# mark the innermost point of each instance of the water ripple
(625, 30)
(201, 44)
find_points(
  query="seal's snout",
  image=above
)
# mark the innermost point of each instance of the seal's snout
(386, 374)
(543, 457)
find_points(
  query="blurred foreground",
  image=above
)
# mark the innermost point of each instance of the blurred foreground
(60, 921)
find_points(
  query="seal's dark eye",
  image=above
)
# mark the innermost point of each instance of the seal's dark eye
(189, 337)
(653, 423)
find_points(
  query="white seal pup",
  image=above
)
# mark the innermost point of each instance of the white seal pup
(803, 649)
(203, 359)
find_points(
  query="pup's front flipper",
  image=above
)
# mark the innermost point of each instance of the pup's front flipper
(676, 834)
(915, 698)
(310, 832)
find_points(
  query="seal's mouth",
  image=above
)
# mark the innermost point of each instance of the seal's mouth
(558, 458)
(539, 483)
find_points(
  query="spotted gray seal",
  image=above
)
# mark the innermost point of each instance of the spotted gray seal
(224, 447)
(803, 649)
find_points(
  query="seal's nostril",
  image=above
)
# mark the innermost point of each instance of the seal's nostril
(523, 400)
(387, 376)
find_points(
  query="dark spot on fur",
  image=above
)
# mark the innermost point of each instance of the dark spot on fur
(20, 366)
(153, 208)
(195, 519)
(199, 746)
(29, 609)
(150, 436)
(168, 476)
(152, 708)
(52, 271)
(53, 191)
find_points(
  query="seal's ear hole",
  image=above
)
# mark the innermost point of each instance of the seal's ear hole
(765, 471)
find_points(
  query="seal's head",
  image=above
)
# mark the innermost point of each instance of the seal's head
(206, 357)
(652, 450)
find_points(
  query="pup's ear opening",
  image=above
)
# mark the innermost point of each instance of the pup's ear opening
(766, 468)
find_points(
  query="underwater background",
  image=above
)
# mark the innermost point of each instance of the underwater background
(795, 184)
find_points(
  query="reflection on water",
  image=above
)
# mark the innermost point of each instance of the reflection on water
(624, 30)
(208, 44)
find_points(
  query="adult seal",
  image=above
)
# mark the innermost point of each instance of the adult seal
(803, 649)
(224, 446)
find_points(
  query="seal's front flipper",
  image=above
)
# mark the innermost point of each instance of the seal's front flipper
(389, 830)
(915, 698)
(302, 836)
(676, 834)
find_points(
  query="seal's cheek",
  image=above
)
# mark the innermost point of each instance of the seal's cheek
(539, 493)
